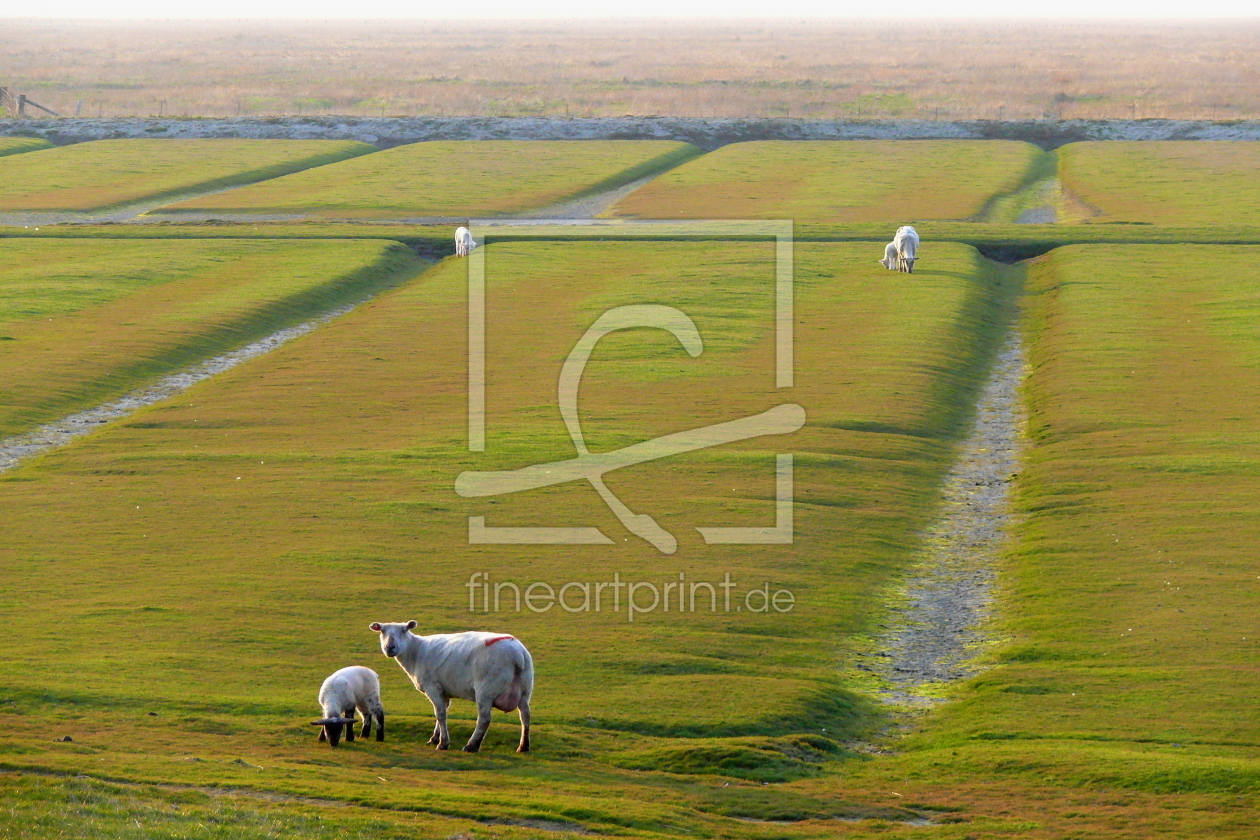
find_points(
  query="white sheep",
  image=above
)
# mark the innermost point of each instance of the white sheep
(907, 243)
(341, 694)
(493, 670)
(464, 242)
(890, 256)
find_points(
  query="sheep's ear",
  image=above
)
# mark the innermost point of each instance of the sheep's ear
(375, 625)
(323, 722)
(411, 625)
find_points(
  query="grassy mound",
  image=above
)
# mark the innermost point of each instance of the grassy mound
(1189, 184)
(110, 173)
(453, 178)
(888, 181)
(82, 322)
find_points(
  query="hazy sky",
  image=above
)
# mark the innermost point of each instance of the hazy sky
(548, 9)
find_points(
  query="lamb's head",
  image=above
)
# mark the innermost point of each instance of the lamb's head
(332, 727)
(393, 635)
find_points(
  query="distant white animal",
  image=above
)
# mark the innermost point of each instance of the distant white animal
(890, 256)
(907, 244)
(341, 694)
(463, 242)
(493, 670)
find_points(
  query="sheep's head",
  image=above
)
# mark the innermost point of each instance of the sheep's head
(392, 635)
(332, 727)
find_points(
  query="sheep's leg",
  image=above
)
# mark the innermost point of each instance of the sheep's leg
(437, 733)
(380, 724)
(367, 724)
(484, 707)
(439, 711)
(350, 727)
(323, 734)
(524, 712)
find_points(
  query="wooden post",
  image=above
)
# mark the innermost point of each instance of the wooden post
(21, 105)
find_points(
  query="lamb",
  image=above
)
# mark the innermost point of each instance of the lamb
(890, 256)
(907, 243)
(493, 670)
(463, 242)
(350, 688)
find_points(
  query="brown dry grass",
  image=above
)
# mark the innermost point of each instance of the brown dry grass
(934, 70)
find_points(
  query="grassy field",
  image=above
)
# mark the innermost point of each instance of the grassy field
(1121, 700)
(1165, 183)
(837, 182)
(275, 511)
(84, 321)
(110, 173)
(811, 69)
(17, 145)
(456, 178)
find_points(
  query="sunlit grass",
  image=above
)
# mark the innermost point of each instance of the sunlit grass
(272, 513)
(895, 182)
(453, 178)
(109, 173)
(1165, 183)
(84, 321)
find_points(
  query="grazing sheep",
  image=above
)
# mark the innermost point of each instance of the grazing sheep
(890, 256)
(907, 242)
(350, 688)
(495, 671)
(463, 242)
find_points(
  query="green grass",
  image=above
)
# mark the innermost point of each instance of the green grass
(1165, 183)
(110, 173)
(84, 321)
(887, 181)
(17, 145)
(272, 513)
(453, 178)
(54, 807)
(1121, 699)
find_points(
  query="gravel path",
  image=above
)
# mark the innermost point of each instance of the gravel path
(17, 449)
(946, 600)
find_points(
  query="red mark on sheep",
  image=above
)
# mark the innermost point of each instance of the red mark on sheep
(498, 639)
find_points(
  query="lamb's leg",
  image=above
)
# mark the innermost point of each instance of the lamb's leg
(524, 711)
(485, 705)
(367, 723)
(437, 733)
(439, 711)
(323, 734)
(350, 727)
(380, 724)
